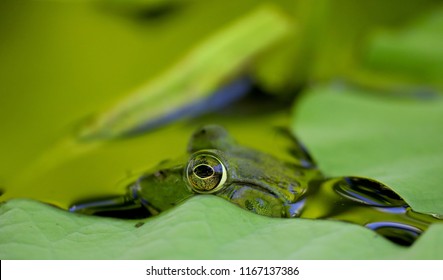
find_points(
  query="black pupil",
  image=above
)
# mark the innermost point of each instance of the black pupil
(203, 171)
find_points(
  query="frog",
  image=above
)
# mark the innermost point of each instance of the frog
(216, 164)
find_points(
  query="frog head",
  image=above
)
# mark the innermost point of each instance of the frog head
(216, 164)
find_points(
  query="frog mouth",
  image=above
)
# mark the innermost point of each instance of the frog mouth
(259, 186)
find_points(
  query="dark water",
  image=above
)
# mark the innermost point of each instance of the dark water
(368, 203)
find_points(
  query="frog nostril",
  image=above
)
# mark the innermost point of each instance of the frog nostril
(160, 174)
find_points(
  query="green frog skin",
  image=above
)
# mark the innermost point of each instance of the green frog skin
(216, 164)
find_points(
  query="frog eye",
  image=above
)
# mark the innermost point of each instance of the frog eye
(205, 173)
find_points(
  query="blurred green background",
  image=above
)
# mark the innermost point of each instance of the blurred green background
(63, 63)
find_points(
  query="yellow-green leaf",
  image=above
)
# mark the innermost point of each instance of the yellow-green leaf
(220, 58)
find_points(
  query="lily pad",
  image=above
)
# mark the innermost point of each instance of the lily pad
(395, 141)
(350, 133)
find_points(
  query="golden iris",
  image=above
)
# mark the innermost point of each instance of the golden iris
(205, 173)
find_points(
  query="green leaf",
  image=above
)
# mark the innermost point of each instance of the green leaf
(415, 53)
(205, 227)
(395, 141)
(406, 61)
(206, 68)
